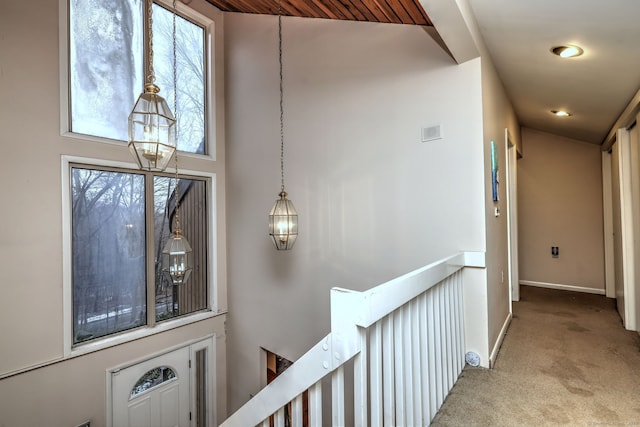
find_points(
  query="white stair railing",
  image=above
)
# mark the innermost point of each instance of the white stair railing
(404, 342)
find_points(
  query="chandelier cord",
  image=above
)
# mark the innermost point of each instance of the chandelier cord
(151, 78)
(175, 113)
(281, 97)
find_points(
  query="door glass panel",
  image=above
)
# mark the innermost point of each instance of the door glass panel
(152, 378)
(201, 388)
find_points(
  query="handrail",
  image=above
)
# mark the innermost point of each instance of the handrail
(350, 310)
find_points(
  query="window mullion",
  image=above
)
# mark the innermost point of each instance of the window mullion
(150, 249)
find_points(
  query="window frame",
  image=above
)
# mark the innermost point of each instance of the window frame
(210, 89)
(152, 327)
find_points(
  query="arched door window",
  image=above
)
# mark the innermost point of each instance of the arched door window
(151, 379)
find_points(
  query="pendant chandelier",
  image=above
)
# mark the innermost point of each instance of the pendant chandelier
(283, 218)
(151, 122)
(177, 255)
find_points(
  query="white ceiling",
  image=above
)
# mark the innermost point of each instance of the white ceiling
(595, 87)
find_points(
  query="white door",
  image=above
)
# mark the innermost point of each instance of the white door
(154, 393)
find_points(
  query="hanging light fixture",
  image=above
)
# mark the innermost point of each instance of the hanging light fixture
(283, 218)
(151, 122)
(177, 255)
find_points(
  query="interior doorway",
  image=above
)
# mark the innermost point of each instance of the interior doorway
(276, 365)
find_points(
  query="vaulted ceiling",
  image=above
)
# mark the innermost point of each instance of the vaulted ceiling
(595, 87)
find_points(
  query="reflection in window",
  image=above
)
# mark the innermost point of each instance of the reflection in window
(173, 301)
(151, 379)
(105, 65)
(106, 68)
(108, 234)
(190, 73)
(111, 256)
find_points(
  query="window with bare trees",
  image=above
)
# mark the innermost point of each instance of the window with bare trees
(107, 72)
(120, 221)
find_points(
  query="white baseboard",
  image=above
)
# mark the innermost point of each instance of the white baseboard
(496, 347)
(563, 287)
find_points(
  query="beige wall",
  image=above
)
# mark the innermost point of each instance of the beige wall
(560, 204)
(498, 115)
(68, 392)
(373, 201)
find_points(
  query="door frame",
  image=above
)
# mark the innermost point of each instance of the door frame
(627, 204)
(607, 211)
(511, 151)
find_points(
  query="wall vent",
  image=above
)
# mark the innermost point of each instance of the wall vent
(431, 133)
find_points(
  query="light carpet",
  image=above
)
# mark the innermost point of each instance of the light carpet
(566, 360)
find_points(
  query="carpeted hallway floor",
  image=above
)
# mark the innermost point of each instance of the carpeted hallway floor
(566, 360)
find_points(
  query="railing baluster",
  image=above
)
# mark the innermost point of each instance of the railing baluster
(438, 330)
(458, 331)
(375, 374)
(416, 369)
(446, 287)
(388, 371)
(425, 366)
(360, 382)
(296, 409)
(400, 368)
(315, 405)
(407, 349)
(433, 353)
(337, 397)
(460, 321)
(279, 418)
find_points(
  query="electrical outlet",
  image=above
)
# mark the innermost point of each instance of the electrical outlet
(555, 251)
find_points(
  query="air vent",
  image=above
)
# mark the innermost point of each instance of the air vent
(431, 133)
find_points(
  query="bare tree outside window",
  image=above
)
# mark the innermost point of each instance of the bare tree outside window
(108, 232)
(189, 72)
(106, 68)
(109, 249)
(105, 65)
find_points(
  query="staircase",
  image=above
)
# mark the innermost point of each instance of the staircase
(403, 343)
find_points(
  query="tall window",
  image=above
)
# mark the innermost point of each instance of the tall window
(120, 222)
(107, 68)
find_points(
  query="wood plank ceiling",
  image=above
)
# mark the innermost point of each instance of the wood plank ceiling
(387, 11)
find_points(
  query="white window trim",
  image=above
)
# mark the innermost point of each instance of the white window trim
(210, 87)
(71, 350)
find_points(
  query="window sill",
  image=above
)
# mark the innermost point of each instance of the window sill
(135, 334)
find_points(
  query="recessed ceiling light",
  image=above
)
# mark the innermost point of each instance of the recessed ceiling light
(567, 51)
(561, 113)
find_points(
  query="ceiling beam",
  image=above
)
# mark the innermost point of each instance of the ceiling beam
(450, 20)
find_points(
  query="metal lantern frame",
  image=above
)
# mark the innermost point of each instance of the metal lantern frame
(152, 132)
(283, 218)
